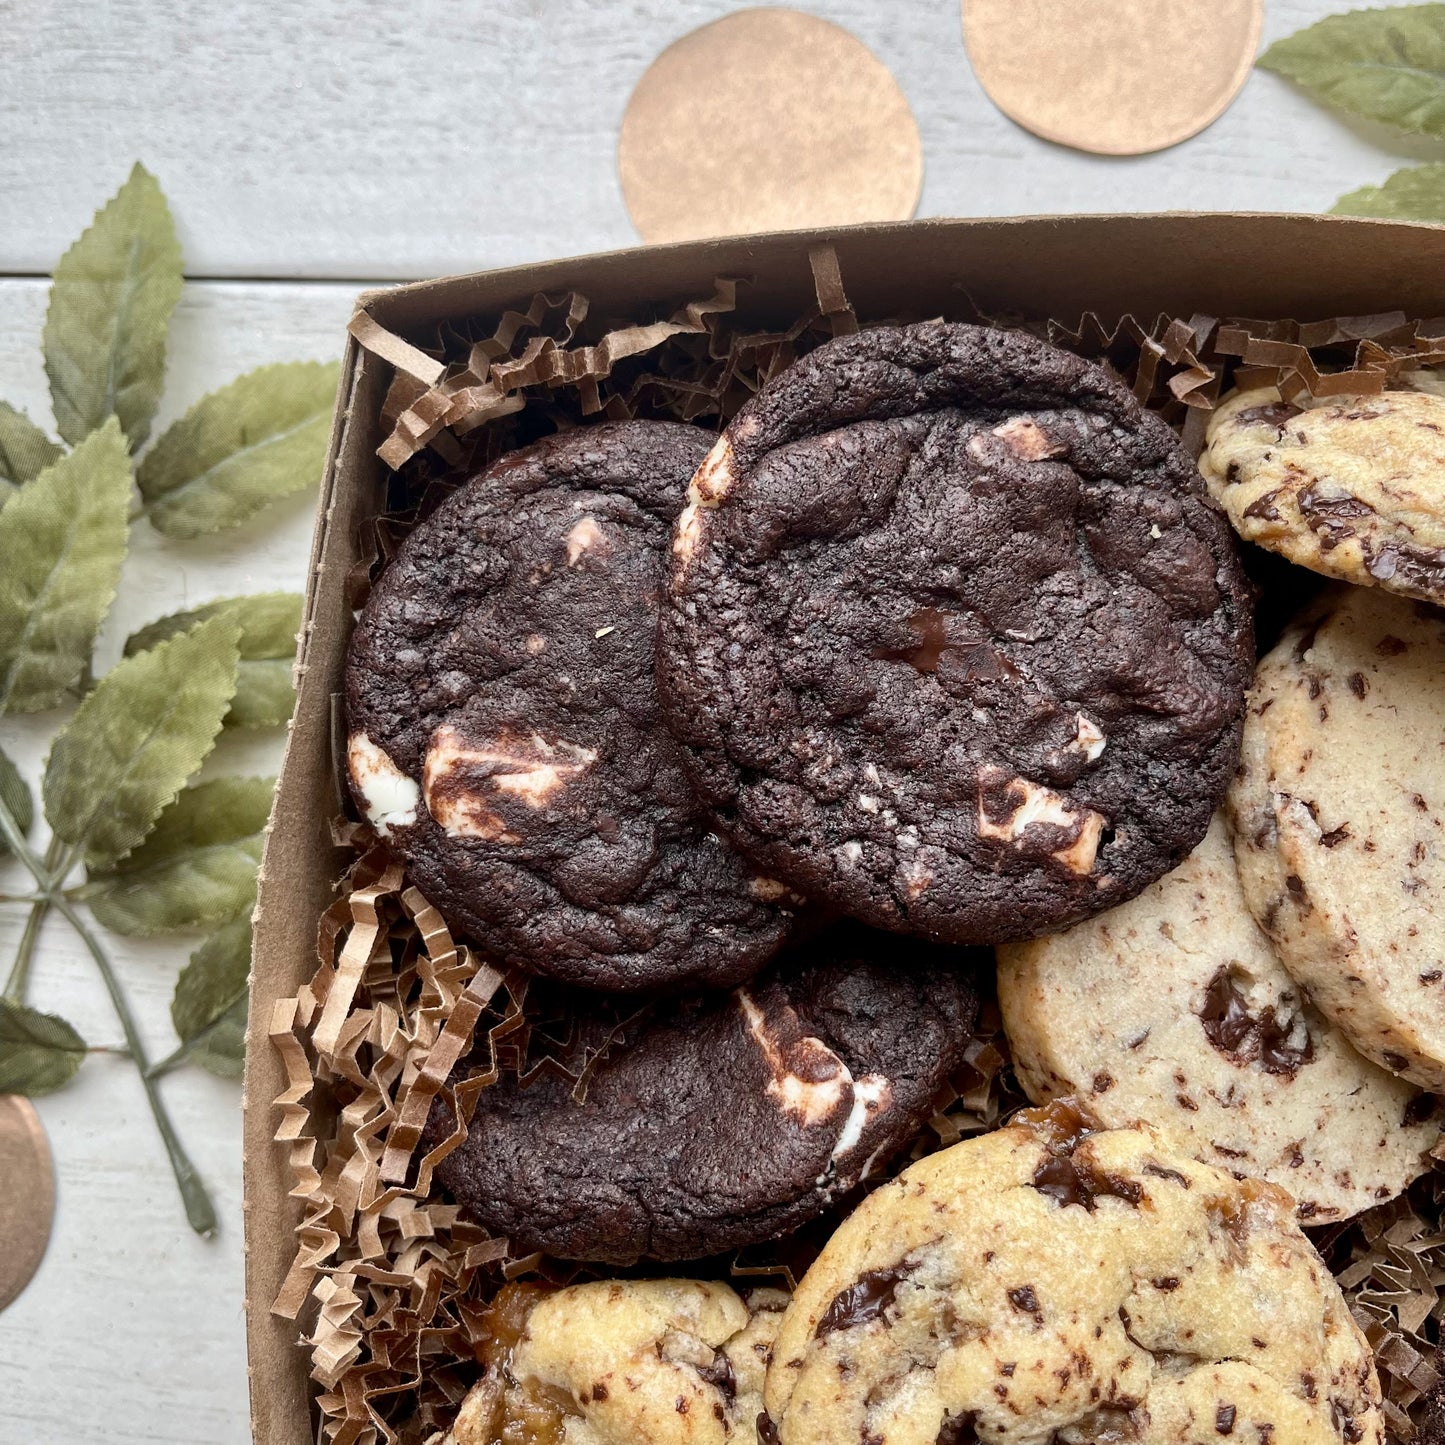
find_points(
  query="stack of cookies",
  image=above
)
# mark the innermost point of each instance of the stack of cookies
(754, 743)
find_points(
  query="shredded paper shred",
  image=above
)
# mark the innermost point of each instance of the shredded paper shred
(389, 1283)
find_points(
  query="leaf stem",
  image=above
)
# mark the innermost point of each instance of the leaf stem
(199, 1210)
(172, 1060)
(19, 978)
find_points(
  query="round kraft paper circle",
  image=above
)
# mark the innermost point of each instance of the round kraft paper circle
(766, 120)
(1118, 77)
(27, 1195)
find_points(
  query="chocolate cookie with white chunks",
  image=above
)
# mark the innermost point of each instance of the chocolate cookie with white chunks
(1349, 486)
(723, 1120)
(1338, 815)
(1049, 1283)
(622, 1362)
(504, 732)
(955, 638)
(1174, 1008)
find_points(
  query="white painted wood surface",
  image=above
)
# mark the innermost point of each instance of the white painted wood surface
(355, 138)
(312, 139)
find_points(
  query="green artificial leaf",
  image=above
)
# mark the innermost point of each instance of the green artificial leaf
(110, 308)
(63, 540)
(15, 795)
(197, 868)
(1387, 65)
(1416, 193)
(25, 450)
(209, 1007)
(269, 623)
(137, 738)
(38, 1052)
(237, 450)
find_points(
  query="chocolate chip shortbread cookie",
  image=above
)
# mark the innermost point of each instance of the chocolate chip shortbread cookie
(622, 1362)
(1350, 486)
(504, 727)
(1042, 1283)
(720, 1121)
(1175, 1009)
(1339, 821)
(954, 636)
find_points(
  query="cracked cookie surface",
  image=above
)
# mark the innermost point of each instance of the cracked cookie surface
(1175, 1009)
(720, 1121)
(617, 1362)
(1045, 1285)
(504, 729)
(1353, 486)
(955, 637)
(1338, 817)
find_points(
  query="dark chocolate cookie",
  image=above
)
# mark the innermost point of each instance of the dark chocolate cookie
(504, 733)
(955, 637)
(719, 1121)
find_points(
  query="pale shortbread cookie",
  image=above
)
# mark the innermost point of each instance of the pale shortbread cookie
(1339, 821)
(1039, 1284)
(1175, 1009)
(1350, 486)
(629, 1362)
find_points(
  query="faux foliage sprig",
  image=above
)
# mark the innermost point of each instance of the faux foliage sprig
(159, 853)
(1388, 66)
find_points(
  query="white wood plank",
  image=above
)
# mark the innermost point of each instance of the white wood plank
(132, 1330)
(301, 138)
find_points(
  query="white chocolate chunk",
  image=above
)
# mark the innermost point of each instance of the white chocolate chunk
(391, 797)
(768, 890)
(917, 878)
(1089, 739)
(1035, 806)
(808, 1100)
(714, 477)
(870, 1093)
(1023, 436)
(583, 537)
(708, 487)
(530, 770)
(1028, 440)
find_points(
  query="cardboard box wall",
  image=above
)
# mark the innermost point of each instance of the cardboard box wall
(1302, 267)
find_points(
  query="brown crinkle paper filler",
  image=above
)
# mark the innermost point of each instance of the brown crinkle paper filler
(389, 1283)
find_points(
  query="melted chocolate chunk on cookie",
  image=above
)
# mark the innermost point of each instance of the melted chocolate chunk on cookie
(1065, 1182)
(1063, 1125)
(1280, 1043)
(1274, 414)
(505, 736)
(954, 638)
(960, 1429)
(869, 1298)
(718, 1121)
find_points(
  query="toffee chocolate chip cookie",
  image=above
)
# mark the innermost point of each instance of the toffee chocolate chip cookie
(504, 728)
(1175, 1009)
(622, 1362)
(1339, 821)
(725, 1120)
(1350, 486)
(956, 640)
(1042, 1283)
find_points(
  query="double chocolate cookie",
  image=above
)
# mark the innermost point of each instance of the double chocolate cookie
(504, 729)
(1048, 1283)
(725, 1120)
(955, 638)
